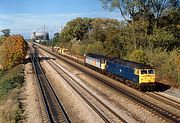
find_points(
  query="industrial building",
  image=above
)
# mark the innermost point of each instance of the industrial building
(40, 36)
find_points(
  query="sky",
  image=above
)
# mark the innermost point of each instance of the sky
(26, 16)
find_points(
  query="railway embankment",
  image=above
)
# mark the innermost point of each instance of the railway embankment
(19, 100)
(11, 77)
(10, 83)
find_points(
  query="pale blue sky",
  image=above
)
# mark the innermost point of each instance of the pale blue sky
(26, 16)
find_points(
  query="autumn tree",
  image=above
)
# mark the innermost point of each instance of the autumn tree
(13, 51)
(2, 38)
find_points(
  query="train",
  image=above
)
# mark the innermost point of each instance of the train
(137, 75)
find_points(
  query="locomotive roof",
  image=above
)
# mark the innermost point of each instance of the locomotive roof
(127, 63)
(131, 64)
(97, 56)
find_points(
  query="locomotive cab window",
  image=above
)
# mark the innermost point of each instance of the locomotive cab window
(143, 71)
(151, 72)
(102, 61)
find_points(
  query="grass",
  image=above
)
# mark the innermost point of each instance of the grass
(10, 79)
(1, 73)
(10, 83)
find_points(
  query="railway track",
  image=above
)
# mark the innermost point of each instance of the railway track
(152, 107)
(165, 99)
(54, 109)
(103, 110)
(177, 101)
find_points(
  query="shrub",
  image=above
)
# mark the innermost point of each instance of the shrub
(138, 55)
(11, 79)
(161, 38)
(82, 48)
(10, 82)
(95, 47)
(166, 64)
(1, 73)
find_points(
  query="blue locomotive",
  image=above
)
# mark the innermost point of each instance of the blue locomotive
(137, 74)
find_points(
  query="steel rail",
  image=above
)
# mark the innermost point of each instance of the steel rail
(56, 112)
(88, 101)
(168, 101)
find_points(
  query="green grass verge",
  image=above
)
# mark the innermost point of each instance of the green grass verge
(10, 79)
(10, 83)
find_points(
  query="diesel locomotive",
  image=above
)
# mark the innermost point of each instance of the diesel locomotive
(138, 75)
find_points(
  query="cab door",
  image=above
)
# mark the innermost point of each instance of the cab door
(137, 72)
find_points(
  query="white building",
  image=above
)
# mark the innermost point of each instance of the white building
(40, 36)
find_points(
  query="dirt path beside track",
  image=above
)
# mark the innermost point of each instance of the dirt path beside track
(32, 106)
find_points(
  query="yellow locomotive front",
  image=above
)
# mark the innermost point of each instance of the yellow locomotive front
(146, 76)
(146, 79)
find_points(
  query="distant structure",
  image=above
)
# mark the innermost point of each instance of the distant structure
(40, 36)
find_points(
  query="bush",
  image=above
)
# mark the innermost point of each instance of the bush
(11, 79)
(161, 38)
(75, 46)
(10, 82)
(1, 73)
(138, 55)
(81, 48)
(166, 64)
(95, 47)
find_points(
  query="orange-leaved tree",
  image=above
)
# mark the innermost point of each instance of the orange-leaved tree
(13, 51)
